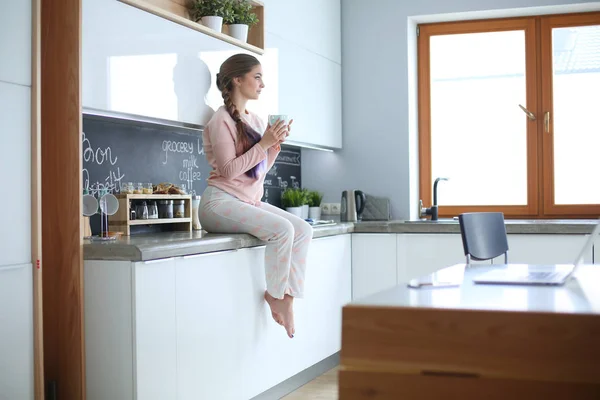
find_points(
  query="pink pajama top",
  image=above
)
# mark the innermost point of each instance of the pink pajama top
(223, 153)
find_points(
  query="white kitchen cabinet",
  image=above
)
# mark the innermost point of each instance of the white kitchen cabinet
(213, 299)
(233, 349)
(16, 332)
(310, 92)
(421, 254)
(315, 26)
(155, 329)
(15, 42)
(197, 327)
(546, 249)
(373, 263)
(138, 63)
(15, 171)
(130, 330)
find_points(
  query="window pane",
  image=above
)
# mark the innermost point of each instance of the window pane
(576, 86)
(478, 132)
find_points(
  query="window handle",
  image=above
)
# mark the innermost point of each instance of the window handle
(530, 115)
(547, 121)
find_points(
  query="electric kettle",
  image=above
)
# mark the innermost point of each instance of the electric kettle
(352, 205)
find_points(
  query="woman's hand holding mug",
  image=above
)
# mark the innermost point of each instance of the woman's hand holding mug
(274, 135)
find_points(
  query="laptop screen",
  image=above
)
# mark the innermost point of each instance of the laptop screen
(588, 244)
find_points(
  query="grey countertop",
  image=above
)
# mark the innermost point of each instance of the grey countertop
(526, 226)
(174, 244)
(163, 245)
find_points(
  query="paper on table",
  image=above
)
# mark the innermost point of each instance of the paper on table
(448, 277)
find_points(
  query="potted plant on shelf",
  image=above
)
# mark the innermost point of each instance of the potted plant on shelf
(211, 13)
(314, 203)
(241, 19)
(292, 200)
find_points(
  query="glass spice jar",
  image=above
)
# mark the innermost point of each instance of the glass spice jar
(165, 209)
(152, 210)
(178, 208)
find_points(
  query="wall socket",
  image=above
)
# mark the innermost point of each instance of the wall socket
(335, 208)
(330, 208)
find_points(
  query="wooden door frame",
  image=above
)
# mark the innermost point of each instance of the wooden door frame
(61, 239)
(36, 205)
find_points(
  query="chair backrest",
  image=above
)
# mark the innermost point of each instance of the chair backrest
(483, 235)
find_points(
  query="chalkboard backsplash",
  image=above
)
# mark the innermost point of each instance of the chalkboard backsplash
(120, 148)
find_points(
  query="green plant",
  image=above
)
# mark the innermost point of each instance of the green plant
(242, 13)
(211, 8)
(314, 199)
(292, 198)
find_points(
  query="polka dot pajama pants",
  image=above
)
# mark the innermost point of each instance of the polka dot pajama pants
(287, 236)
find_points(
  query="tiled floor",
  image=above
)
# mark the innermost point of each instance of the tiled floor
(324, 387)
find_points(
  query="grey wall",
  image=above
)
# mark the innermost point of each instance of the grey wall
(378, 93)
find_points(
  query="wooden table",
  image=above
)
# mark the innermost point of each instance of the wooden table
(475, 341)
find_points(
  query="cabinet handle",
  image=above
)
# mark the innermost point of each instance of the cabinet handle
(160, 260)
(9, 267)
(212, 253)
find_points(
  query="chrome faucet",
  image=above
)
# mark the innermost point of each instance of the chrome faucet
(433, 210)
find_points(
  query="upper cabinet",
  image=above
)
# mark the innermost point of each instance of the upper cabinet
(314, 25)
(15, 42)
(139, 63)
(310, 92)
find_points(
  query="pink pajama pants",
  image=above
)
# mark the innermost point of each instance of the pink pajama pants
(287, 236)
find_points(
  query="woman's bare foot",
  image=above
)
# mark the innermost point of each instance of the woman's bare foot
(270, 300)
(283, 308)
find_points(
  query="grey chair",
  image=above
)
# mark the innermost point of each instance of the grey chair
(483, 236)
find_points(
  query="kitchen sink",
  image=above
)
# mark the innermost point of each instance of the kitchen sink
(427, 221)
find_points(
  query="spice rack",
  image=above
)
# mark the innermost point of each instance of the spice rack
(120, 222)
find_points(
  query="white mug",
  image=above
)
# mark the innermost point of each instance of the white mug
(276, 117)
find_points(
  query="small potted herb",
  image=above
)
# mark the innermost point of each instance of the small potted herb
(292, 200)
(314, 203)
(305, 199)
(242, 18)
(211, 13)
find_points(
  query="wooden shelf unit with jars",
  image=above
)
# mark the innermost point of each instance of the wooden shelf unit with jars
(176, 11)
(121, 222)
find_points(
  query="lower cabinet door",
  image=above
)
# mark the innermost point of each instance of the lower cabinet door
(155, 330)
(373, 263)
(546, 249)
(229, 346)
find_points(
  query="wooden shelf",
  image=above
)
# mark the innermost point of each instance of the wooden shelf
(159, 221)
(176, 11)
(120, 222)
(153, 196)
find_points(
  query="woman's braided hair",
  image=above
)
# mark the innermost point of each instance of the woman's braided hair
(234, 67)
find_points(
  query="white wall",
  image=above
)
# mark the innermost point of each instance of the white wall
(378, 99)
(16, 282)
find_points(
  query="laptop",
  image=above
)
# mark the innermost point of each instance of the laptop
(534, 274)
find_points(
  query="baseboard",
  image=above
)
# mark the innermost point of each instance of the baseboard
(300, 379)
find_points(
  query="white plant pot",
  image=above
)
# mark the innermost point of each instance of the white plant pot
(214, 23)
(239, 31)
(297, 211)
(305, 211)
(314, 213)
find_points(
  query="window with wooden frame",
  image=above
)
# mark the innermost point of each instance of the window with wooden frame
(507, 112)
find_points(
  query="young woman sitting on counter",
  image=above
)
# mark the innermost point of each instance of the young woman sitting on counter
(240, 157)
